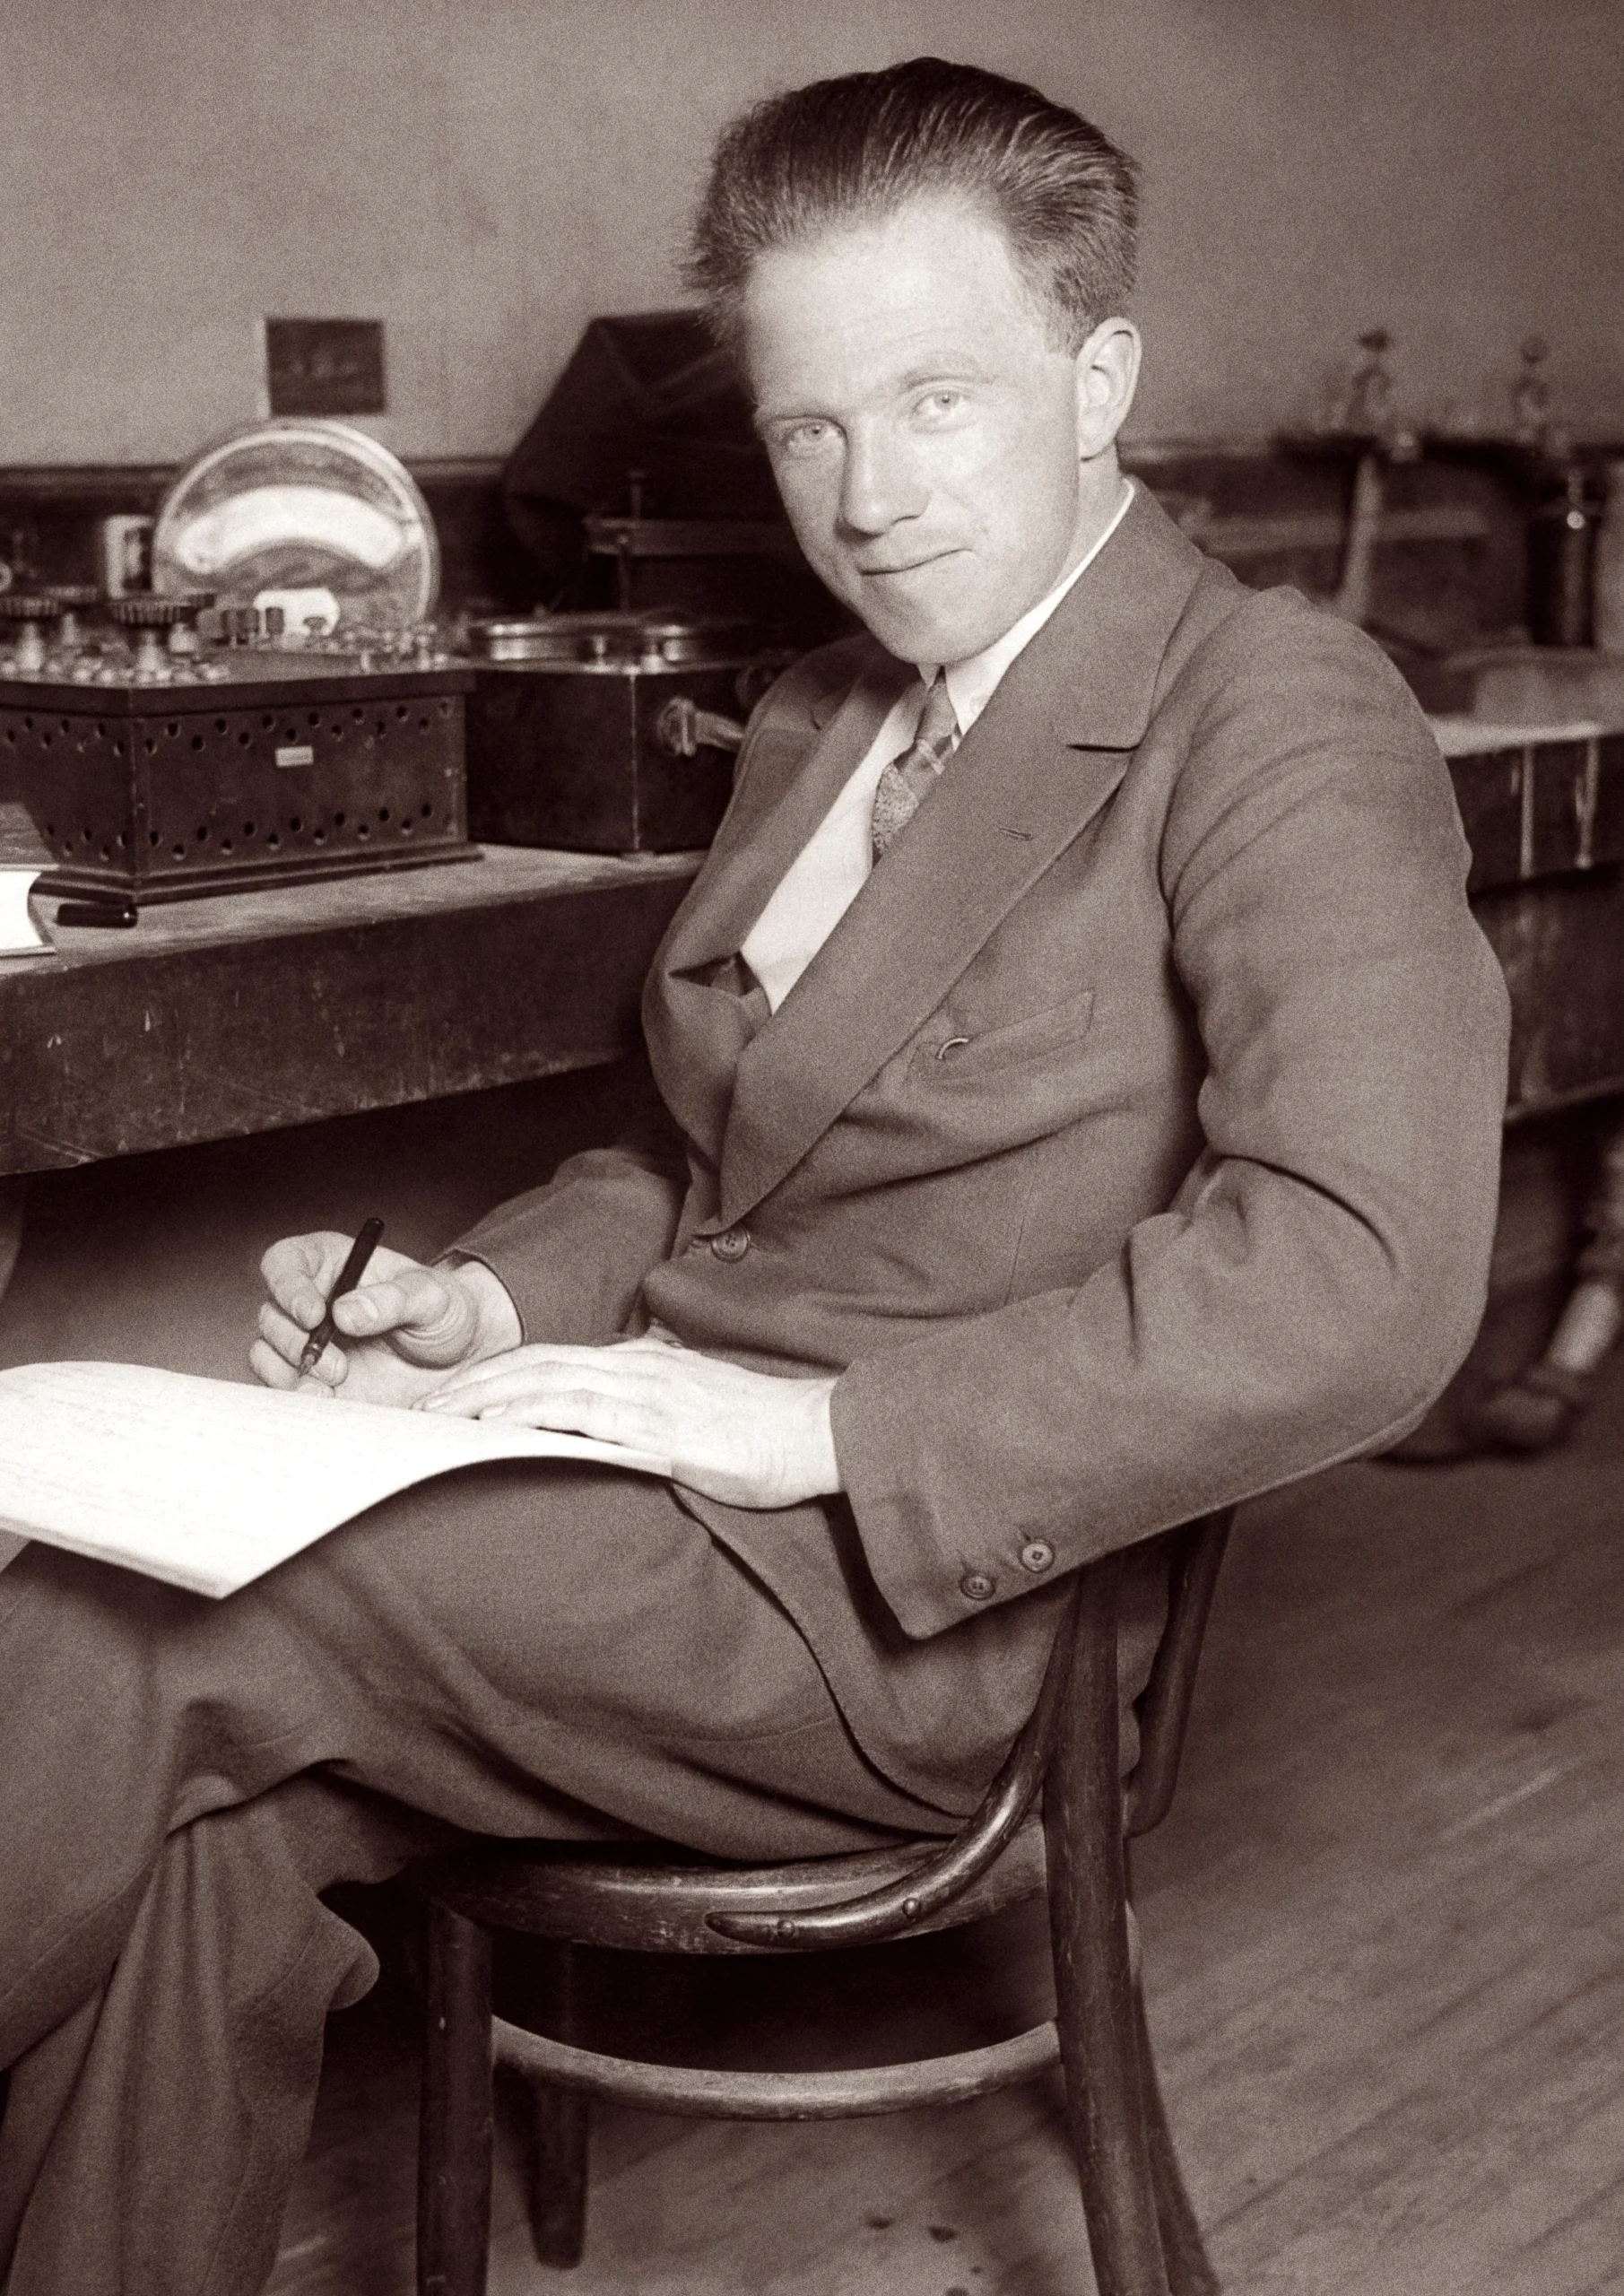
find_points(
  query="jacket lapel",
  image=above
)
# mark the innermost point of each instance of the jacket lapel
(796, 770)
(1047, 752)
(696, 1031)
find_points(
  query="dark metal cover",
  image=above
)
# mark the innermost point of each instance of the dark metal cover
(651, 395)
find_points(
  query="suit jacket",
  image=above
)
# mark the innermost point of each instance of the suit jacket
(1129, 1148)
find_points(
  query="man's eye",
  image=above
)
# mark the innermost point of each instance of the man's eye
(940, 406)
(801, 440)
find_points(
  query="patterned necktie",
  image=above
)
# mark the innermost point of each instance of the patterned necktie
(907, 777)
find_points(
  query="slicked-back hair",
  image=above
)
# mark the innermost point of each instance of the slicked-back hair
(853, 150)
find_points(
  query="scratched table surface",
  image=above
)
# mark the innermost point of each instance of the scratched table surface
(253, 1011)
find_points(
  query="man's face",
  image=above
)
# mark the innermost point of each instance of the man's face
(924, 429)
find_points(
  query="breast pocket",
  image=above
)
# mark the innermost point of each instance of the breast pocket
(961, 1055)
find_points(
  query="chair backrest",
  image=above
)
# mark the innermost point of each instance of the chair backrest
(1194, 1551)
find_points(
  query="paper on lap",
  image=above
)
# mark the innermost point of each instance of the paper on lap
(209, 1484)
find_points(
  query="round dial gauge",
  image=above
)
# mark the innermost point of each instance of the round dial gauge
(304, 510)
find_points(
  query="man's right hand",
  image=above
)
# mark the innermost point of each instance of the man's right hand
(403, 1327)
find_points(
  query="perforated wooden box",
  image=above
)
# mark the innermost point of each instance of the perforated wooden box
(275, 776)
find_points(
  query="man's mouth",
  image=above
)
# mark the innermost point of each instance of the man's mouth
(909, 565)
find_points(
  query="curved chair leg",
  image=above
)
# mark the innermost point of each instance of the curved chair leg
(559, 2139)
(454, 2134)
(1189, 2267)
(1093, 1982)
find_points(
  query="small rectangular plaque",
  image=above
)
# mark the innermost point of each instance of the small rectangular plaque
(296, 753)
(325, 366)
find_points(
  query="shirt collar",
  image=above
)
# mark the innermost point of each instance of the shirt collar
(971, 683)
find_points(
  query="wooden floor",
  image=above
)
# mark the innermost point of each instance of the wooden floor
(1384, 1951)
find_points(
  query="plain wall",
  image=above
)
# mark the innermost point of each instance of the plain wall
(485, 174)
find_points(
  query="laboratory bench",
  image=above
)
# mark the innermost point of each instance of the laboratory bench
(254, 1010)
(262, 1009)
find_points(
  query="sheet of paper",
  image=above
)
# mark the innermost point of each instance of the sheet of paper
(19, 936)
(207, 1484)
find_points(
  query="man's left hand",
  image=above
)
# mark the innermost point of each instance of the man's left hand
(735, 1435)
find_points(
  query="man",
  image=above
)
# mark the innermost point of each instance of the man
(1081, 1089)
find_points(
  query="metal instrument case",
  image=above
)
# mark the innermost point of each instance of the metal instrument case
(287, 771)
(567, 754)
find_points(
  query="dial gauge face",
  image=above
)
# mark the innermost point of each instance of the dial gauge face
(299, 507)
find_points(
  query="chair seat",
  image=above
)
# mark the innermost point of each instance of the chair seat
(577, 1895)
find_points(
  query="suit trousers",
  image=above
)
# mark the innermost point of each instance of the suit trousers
(557, 1652)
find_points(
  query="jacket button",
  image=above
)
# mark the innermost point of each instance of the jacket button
(732, 1243)
(977, 1586)
(1037, 1554)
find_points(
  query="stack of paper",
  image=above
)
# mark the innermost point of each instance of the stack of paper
(19, 936)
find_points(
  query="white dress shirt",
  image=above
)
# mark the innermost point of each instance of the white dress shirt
(829, 871)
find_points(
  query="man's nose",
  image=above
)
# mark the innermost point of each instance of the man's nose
(881, 482)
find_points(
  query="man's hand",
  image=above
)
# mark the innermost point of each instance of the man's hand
(733, 1434)
(405, 1326)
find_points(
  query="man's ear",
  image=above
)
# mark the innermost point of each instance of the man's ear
(1107, 375)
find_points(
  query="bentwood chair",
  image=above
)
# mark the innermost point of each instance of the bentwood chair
(1142, 2234)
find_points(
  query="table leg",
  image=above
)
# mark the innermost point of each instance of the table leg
(1539, 1408)
(13, 1191)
